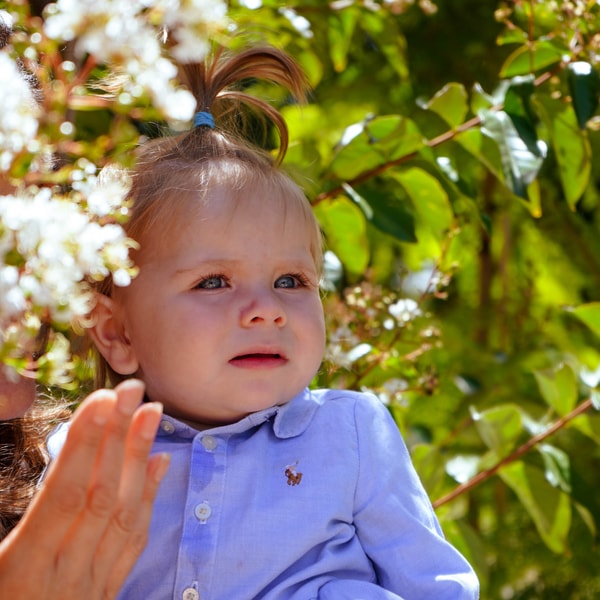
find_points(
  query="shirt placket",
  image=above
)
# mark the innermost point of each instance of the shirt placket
(197, 554)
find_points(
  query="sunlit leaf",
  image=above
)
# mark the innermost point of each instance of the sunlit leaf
(557, 466)
(589, 314)
(484, 149)
(531, 58)
(344, 228)
(431, 205)
(549, 507)
(380, 140)
(499, 427)
(450, 103)
(558, 388)
(520, 165)
(341, 26)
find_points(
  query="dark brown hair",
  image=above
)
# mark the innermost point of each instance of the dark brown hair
(23, 459)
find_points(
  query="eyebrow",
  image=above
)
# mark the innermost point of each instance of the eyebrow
(224, 263)
(213, 262)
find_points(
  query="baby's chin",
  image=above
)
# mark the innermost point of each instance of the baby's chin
(15, 397)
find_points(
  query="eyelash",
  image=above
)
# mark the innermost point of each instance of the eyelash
(301, 279)
(212, 276)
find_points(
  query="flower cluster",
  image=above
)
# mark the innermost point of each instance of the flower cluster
(50, 247)
(61, 207)
(377, 336)
(18, 113)
(125, 35)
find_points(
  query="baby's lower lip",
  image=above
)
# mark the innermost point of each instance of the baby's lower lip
(258, 361)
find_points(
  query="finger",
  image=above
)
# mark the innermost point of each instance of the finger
(64, 492)
(136, 542)
(133, 483)
(84, 535)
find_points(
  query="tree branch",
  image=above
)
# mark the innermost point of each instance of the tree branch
(521, 451)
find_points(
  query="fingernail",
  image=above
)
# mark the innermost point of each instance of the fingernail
(128, 403)
(150, 420)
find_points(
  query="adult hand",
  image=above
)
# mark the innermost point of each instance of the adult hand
(88, 523)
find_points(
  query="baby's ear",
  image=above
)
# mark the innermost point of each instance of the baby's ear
(110, 338)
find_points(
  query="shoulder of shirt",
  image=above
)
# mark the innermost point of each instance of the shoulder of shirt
(295, 417)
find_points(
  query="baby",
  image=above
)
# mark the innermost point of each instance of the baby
(274, 491)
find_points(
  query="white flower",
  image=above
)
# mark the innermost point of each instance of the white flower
(124, 33)
(18, 112)
(59, 247)
(404, 310)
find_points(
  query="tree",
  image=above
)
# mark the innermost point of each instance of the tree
(450, 151)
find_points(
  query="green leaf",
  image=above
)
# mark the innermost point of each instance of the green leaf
(571, 147)
(589, 314)
(380, 141)
(558, 388)
(429, 464)
(587, 517)
(341, 26)
(499, 427)
(517, 105)
(584, 84)
(484, 149)
(480, 99)
(387, 210)
(549, 507)
(557, 466)
(345, 233)
(450, 103)
(389, 39)
(519, 164)
(531, 58)
(431, 204)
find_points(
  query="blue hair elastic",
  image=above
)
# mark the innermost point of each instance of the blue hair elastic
(203, 117)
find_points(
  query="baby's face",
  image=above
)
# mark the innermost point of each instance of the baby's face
(225, 318)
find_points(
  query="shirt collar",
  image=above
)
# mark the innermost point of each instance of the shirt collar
(289, 420)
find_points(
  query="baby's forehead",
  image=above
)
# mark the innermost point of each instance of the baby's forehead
(220, 194)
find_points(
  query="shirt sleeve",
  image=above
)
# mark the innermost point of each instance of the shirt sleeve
(394, 518)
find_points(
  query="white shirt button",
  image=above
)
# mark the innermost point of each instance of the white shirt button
(203, 511)
(209, 442)
(167, 426)
(190, 594)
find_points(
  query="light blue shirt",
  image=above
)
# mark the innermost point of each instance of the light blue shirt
(316, 499)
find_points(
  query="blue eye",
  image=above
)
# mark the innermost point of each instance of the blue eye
(290, 281)
(212, 282)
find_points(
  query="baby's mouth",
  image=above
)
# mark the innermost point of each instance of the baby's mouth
(258, 360)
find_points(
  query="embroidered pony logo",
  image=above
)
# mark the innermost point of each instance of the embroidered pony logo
(293, 477)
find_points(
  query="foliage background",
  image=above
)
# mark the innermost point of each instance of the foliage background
(450, 150)
(477, 230)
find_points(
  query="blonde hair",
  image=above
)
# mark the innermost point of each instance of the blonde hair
(188, 166)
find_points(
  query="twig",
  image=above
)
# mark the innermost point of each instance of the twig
(522, 450)
(432, 143)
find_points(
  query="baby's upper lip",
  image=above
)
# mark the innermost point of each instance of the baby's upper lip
(260, 351)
